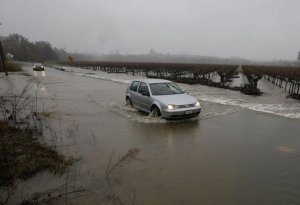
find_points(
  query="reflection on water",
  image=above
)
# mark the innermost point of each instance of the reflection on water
(285, 149)
(39, 73)
(41, 87)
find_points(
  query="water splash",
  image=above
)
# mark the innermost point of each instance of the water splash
(133, 114)
(272, 102)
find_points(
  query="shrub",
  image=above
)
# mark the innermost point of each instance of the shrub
(13, 67)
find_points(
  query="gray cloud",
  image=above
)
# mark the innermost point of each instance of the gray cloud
(256, 29)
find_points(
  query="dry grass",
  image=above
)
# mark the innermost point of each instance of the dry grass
(13, 67)
(22, 156)
(46, 114)
(130, 156)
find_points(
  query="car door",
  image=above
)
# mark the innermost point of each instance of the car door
(144, 99)
(133, 92)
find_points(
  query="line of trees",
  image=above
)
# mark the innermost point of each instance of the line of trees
(24, 50)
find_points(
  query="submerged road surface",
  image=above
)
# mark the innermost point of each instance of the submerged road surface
(228, 155)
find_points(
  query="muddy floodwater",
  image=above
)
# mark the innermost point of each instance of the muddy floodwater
(241, 150)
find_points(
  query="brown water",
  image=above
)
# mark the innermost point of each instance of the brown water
(227, 156)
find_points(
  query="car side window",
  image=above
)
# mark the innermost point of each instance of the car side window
(143, 88)
(134, 86)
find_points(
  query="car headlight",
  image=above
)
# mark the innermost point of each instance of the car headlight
(171, 107)
(197, 104)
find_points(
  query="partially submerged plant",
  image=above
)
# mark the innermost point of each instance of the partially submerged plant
(130, 156)
(14, 104)
(22, 156)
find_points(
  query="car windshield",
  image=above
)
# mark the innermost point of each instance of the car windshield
(165, 89)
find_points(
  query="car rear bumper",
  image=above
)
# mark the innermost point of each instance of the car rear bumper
(181, 113)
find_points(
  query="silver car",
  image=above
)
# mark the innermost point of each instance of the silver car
(38, 67)
(162, 98)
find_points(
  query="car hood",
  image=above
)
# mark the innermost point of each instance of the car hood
(179, 99)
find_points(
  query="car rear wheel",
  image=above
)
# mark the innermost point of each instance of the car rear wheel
(128, 101)
(155, 111)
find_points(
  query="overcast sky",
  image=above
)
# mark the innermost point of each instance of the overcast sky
(253, 29)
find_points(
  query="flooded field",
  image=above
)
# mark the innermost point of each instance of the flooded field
(272, 101)
(240, 150)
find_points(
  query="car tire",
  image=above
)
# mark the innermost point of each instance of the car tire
(155, 111)
(128, 101)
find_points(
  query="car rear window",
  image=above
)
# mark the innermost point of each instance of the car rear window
(134, 86)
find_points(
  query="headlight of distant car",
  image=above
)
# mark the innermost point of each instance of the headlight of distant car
(171, 107)
(197, 104)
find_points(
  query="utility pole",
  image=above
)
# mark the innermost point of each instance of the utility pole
(2, 57)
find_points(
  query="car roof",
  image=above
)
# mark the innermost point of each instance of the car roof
(149, 81)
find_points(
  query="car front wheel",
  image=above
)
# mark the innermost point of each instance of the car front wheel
(155, 111)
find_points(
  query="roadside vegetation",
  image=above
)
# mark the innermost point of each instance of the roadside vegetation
(23, 49)
(22, 154)
(13, 67)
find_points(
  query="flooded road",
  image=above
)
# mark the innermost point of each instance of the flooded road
(229, 155)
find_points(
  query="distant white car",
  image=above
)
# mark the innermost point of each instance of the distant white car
(38, 67)
(163, 98)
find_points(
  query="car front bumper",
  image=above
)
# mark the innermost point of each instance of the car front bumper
(181, 113)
